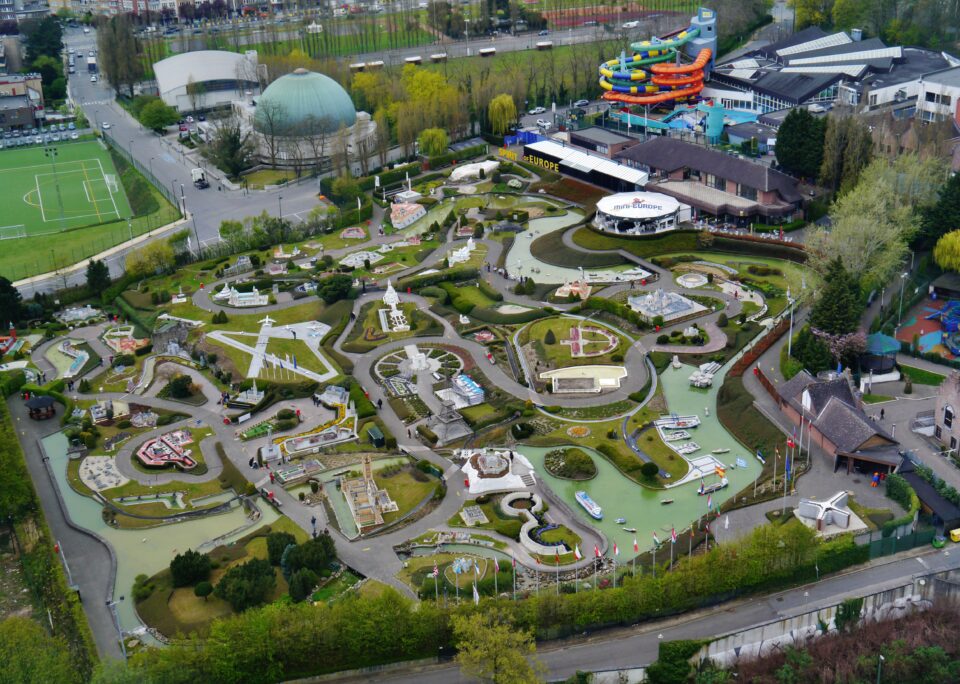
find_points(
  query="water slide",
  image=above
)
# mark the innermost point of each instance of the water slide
(628, 80)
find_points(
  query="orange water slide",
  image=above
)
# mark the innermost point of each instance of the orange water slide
(672, 78)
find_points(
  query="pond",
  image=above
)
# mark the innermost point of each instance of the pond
(621, 497)
(149, 550)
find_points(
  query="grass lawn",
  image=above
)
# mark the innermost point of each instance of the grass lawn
(598, 412)
(921, 376)
(876, 398)
(406, 488)
(478, 413)
(873, 517)
(336, 587)
(497, 521)
(259, 179)
(290, 348)
(368, 334)
(111, 381)
(470, 293)
(562, 534)
(372, 588)
(557, 355)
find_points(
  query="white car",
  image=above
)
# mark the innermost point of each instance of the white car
(543, 123)
(74, 136)
(105, 125)
(631, 24)
(93, 79)
(537, 110)
(581, 103)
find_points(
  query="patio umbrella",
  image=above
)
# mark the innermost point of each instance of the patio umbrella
(879, 344)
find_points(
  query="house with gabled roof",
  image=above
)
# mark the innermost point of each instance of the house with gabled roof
(832, 415)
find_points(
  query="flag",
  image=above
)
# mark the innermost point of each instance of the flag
(576, 552)
(556, 554)
(636, 547)
(726, 522)
(673, 535)
(596, 551)
(538, 559)
(496, 565)
(788, 469)
(513, 561)
(476, 568)
(456, 568)
(280, 361)
(691, 530)
(476, 595)
(616, 551)
(709, 501)
(760, 457)
(436, 570)
(656, 539)
(720, 471)
(294, 361)
(700, 491)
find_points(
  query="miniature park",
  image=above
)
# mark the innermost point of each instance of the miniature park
(499, 383)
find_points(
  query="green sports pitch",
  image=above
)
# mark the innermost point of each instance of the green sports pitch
(45, 192)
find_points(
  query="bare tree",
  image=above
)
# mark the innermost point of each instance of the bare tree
(195, 92)
(340, 154)
(383, 135)
(271, 124)
(316, 137)
(293, 150)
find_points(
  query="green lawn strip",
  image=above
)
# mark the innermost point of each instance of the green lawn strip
(405, 489)
(471, 293)
(598, 412)
(262, 177)
(876, 398)
(922, 376)
(288, 349)
(873, 517)
(368, 323)
(479, 413)
(558, 355)
(497, 521)
(335, 587)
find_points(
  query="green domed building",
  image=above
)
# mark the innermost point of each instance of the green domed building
(302, 103)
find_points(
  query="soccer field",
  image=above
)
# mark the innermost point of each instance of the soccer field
(44, 194)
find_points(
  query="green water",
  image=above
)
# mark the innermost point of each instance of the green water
(621, 497)
(139, 551)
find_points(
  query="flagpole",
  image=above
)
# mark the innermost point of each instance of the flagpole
(672, 544)
(558, 577)
(690, 552)
(538, 580)
(614, 571)
(595, 564)
(496, 590)
(776, 455)
(436, 589)
(654, 560)
(514, 579)
(457, 582)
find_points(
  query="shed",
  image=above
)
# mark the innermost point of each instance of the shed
(375, 435)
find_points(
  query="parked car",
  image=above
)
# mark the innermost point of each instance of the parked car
(581, 103)
(543, 123)
(105, 125)
(74, 135)
(38, 140)
(93, 79)
(71, 126)
(544, 32)
(62, 127)
(537, 110)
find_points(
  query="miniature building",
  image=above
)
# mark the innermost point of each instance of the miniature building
(668, 305)
(169, 337)
(275, 269)
(40, 407)
(461, 255)
(375, 435)
(462, 392)
(402, 214)
(946, 419)
(578, 288)
(392, 319)
(166, 450)
(366, 501)
(833, 511)
(333, 396)
(360, 259)
(246, 398)
(448, 425)
(76, 314)
(243, 265)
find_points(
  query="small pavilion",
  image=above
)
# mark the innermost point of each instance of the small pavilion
(40, 407)
(880, 355)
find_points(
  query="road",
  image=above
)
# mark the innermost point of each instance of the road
(637, 646)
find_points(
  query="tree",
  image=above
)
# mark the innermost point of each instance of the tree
(345, 191)
(810, 13)
(195, 92)
(649, 470)
(314, 554)
(230, 148)
(98, 276)
(119, 57)
(181, 387)
(811, 351)
(383, 135)
(847, 148)
(302, 584)
(800, 143)
(493, 649)
(433, 142)
(947, 251)
(189, 567)
(943, 215)
(848, 14)
(43, 37)
(838, 308)
(334, 288)
(247, 585)
(157, 115)
(502, 113)
(152, 258)
(277, 542)
(271, 123)
(10, 304)
(203, 590)
(549, 337)
(30, 655)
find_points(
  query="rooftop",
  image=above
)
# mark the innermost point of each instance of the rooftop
(601, 135)
(947, 77)
(669, 154)
(8, 102)
(752, 130)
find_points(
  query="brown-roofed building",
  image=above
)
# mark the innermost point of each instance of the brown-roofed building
(716, 183)
(832, 412)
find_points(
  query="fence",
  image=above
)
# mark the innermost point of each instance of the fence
(168, 193)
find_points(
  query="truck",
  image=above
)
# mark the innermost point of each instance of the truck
(199, 179)
(92, 65)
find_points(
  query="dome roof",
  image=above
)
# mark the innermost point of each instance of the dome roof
(295, 103)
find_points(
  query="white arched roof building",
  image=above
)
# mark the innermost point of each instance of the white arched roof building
(205, 79)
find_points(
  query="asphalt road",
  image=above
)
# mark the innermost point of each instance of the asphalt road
(637, 646)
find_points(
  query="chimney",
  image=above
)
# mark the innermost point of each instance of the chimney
(856, 34)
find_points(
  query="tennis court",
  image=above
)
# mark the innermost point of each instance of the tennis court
(75, 185)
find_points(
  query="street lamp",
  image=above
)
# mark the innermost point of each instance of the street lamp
(280, 205)
(880, 660)
(112, 605)
(790, 334)
(150, 165)
(903, 279)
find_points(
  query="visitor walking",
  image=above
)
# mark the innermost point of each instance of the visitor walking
(881, 414)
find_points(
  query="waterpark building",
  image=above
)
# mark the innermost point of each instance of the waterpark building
(639, 213)
(591, 168)
(834, 420)
(813, 67)
(198, 81)
(601, 141)
(715, 183)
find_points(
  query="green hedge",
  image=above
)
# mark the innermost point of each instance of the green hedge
(427, 434)
(617, 309)
(365, 407)
(11, 382)
(416, 282)
(486, 315)
(442, 160)
(900, 491)
(489, 290)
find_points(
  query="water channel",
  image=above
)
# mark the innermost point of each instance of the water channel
(148, 550)
(641, 506)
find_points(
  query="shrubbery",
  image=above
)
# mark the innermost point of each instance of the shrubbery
(189, 568)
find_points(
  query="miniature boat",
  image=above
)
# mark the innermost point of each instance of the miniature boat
(620, 521)
(687, 448)
(664, 502)
(676, 436)
(721, 451)
(589, 505)
(710, 488)
(675, 422)
(632, 530)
